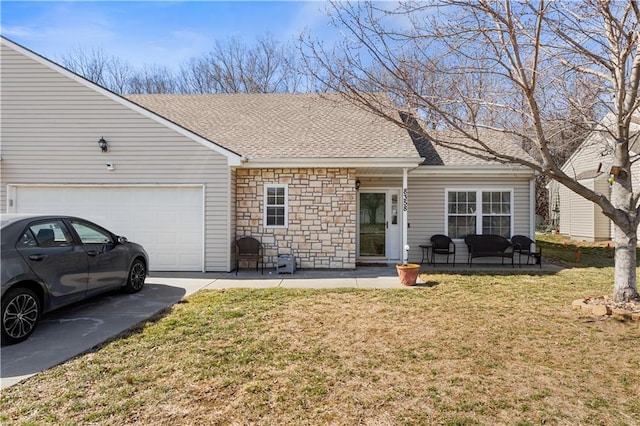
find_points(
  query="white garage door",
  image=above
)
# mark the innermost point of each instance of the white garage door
(167, 221)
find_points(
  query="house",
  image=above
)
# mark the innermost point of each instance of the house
(186, 175)
(575, 216)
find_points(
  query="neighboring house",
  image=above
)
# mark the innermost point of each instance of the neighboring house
(575, 216)
(186, 175)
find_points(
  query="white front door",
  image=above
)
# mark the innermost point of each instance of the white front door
(379, 224)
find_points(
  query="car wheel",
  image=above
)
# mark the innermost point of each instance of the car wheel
(137, 275)
(20, 314)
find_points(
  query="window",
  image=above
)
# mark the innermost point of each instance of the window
(479, 212)
(48, 234)
(275, 205)
(462, 207)
(27, 239)
(496, 213)
(90, 235)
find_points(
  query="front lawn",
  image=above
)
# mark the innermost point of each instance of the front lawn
(462, 350)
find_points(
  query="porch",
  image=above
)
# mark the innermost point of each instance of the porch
(368, 275)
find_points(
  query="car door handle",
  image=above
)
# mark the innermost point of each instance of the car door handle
(38, 257)
(92, 253)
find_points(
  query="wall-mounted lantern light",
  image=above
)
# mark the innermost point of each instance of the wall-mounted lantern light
(102, 143)
(357, 184)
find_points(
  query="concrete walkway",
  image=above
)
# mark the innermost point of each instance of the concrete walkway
(370, 277)
(362, 277)
(74, 330)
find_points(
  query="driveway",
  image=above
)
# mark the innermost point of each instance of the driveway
(71, 331)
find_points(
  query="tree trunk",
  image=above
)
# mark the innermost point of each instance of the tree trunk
(624, 287)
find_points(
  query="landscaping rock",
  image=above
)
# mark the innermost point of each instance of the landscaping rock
(603, 306)
(600, 310)
(586, 308)
(621, 314)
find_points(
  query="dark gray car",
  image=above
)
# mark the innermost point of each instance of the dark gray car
(52, 261)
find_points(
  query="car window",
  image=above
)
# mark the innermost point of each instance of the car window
(90, 235)
(27, 239)
(51, 234)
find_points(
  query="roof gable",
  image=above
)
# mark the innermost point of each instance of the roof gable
(597, 149)
(232, 157)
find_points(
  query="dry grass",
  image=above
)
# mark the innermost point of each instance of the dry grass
(463, 350)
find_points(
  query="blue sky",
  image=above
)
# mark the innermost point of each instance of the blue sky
(154, 32)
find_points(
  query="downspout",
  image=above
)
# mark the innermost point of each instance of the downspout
(405, 225)
(532, 208)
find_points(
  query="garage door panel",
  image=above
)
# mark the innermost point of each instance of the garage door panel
(167, 221)
(190, 260)
(187, 238)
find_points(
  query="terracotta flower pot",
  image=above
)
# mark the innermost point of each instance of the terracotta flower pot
(408, 273)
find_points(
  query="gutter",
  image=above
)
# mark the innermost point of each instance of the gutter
(488, 170)
(333, 162)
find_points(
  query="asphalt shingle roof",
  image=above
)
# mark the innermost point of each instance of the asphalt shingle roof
(437, 154)
(498, 141)
(284, 125)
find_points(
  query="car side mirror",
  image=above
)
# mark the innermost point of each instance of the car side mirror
(122, 240)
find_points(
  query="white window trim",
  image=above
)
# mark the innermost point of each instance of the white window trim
(479, 214)
(286, 205)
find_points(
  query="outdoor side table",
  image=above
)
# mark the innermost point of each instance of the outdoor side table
(286, 264)
(426, 252)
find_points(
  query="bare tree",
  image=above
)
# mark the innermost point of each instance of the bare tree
(120, 73)
(577, 118)
(153, 79)
(95, 65)
(267, 66)
(232, 66)
(513, 67)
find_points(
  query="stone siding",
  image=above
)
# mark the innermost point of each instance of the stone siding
(321, 231)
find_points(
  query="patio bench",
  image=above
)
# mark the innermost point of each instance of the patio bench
(488, 246)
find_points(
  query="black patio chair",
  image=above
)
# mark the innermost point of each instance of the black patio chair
(249, 249)
(443, 245)
(525, 246)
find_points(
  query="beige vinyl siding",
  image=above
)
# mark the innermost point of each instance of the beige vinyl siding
(564, 197)
(577, 216)
(588, 158)
(602, 231)
(50, 130)
(582, 214)
(426, 214)
(581, 219)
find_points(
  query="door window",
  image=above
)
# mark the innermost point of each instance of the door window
(47, 234)
(372, 224)
(91, 235)
(394, 209)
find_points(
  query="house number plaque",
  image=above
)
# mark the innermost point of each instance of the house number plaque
(405, 198)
